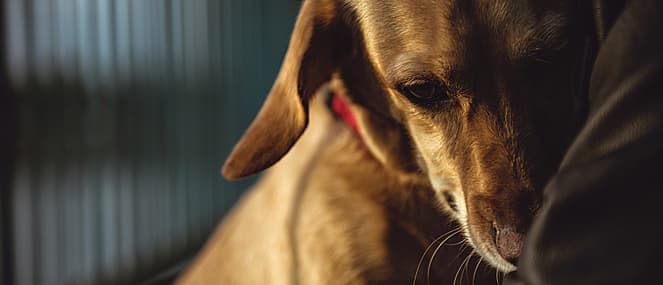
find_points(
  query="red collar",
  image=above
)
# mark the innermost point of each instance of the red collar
(342, 109)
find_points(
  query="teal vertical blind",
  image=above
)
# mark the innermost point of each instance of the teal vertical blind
(127, 110)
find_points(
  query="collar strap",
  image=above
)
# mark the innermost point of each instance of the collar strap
(342, 109)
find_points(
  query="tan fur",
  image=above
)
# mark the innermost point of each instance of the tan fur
(505, 65)
(344, 219)
(342, 210)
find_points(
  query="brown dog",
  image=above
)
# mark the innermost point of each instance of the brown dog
(471, 97)
(343, 219)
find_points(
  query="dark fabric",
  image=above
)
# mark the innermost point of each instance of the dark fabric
(600, 223)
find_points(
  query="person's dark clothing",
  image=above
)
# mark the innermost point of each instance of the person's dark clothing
(601, 219)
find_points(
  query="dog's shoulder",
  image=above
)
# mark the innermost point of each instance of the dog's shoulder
(327, 213)
(301, 220)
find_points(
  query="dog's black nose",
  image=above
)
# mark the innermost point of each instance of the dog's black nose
(509, 242)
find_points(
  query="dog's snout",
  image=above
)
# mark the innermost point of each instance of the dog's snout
(509, 242)
(512, 218)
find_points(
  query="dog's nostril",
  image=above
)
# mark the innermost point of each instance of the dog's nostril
(493, 232)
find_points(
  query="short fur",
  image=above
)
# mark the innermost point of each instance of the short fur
(503, 115)
(343, 219)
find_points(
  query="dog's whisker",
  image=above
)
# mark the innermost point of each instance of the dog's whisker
(467, 264)
(423, 255)
(430, 262)
(464, 246)
(461, 267)
(476, 268)
(497, 279)
(458, 243)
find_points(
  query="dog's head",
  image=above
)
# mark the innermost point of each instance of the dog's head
(476, 95)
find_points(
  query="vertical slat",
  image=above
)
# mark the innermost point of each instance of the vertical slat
(86, 43)
(6, 157)
(134, 124)
(23, 229)
(214, 120)
(189, 131)
(63, 51)
(60, 161)
(43, 40)
(104, 113)
(47, 219)
(72, 198)
(228, 75)
(167, 89)
(8, 147)
(104, 50)
(177, 132)
(37, 161)
(16, 45)
(149, 97)
(163, 237)
(122, 42)
(121, 164)
(203, 181)
(87, 39)
(125, 172)
(65, 37)
(46, 202)
(192, 119)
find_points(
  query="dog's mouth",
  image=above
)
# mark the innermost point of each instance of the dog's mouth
(497, 231)
(500, 245)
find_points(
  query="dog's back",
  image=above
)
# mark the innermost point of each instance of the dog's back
(329, 213)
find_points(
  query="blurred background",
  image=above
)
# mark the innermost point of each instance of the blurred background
(115, 119)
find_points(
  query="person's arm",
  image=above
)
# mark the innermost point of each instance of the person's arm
(602, 217)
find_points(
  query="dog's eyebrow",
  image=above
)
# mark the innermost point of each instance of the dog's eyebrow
(405, 68)
(546, 35)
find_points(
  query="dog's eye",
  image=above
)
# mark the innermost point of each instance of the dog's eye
(424, 91)
(450, 200)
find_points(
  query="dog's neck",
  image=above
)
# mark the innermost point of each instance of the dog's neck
(418, 221)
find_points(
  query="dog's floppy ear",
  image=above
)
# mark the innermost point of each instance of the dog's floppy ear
(316, 45)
